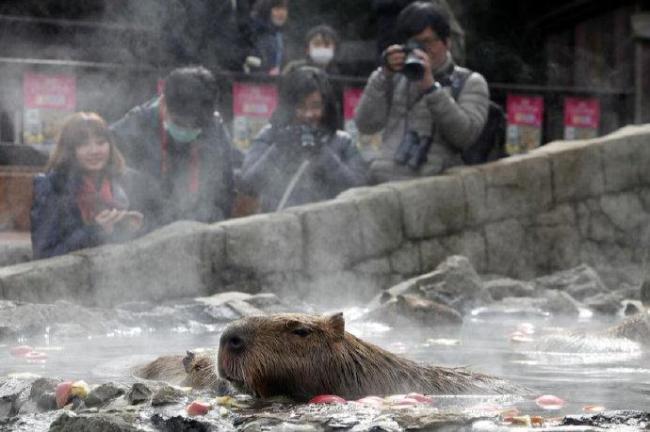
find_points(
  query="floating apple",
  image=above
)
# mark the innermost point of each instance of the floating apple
(197, 408)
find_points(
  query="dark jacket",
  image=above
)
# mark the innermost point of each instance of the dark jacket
(269, 45)
(56, 223)
(271, 164)
(139, 134)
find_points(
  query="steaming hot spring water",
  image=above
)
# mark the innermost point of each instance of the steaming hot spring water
(496, 346)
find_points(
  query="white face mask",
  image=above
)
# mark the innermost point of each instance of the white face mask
(321, 56)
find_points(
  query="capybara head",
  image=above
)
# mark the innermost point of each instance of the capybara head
(283, 354)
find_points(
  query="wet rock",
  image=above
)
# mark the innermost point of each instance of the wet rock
(167, 395)
(456, 284)
(243, 309)
(42, 394)
(414, 309)
(91, 423)
(627, 291)
(605, 303)
(264, 301)
(42, 385)
(628, 418)
(560, 303)
(14, 392)
(139, 393)
(46, 401)
(103, 394)
(580, 282)
(182, 424)
(505, 287)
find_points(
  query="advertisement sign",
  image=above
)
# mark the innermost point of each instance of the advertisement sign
(368, 144)
(47, 100)
(525, 117)
(581, 118)
(253, 105)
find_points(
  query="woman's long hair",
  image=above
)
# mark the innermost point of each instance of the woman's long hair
(262, 9)
(295, 87)
(77, 130)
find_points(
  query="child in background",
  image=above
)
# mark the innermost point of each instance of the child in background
(87, 196)
(321, 45)
(269, 19)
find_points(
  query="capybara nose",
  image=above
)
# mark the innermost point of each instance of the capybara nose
(233, 340)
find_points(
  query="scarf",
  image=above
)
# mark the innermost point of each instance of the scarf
(92, 201)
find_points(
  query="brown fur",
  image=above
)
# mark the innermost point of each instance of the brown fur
(635, 328)
(192, 370)
(301, 356)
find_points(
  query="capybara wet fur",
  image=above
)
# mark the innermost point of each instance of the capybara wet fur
(300, 356)
(192, 370)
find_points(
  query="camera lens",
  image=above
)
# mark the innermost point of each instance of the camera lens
(413, 68)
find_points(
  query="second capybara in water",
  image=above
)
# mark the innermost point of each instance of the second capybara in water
(192, 370)
(301, 356)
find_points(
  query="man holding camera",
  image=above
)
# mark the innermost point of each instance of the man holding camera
(430, 110)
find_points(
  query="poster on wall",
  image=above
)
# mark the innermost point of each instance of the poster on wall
(368, 144)
(253, 105)
(581, 118)
(525, 114)
(47, 101)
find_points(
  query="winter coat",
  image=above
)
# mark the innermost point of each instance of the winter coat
(271, 163)
(453, 125)
(139, 136)
(56, 223)
(269, 45)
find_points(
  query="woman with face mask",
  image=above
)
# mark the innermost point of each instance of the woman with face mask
(321, 45)
(87, 196)
(301, 157)
(269, 19)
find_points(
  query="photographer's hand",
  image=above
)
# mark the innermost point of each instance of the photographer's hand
(393, 59)
(427, 80)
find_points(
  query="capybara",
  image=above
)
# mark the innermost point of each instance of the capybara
(192, 370)
(630, 335)
(301, 356)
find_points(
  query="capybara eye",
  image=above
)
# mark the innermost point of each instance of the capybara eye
(235, 342)
(301, 331)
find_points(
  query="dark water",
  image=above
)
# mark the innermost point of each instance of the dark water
(615, 381)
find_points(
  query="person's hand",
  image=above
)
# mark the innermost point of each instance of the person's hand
(108, 218)
(427, 80)
(393, 59)
(133, 220)
(275, 71)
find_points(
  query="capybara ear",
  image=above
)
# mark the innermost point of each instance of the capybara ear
(337, 323)
(187, 361)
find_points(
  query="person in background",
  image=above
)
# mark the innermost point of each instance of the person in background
(179, 139)
(386, 12)
(87, 196)
(269, 19)
(321, 44)
(427, 118)
(301, 157)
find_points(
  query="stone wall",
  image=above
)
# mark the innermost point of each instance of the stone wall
(558, 206)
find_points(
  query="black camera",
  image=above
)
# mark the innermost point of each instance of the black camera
(302, 135)
(413, 65)
(412, 150)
